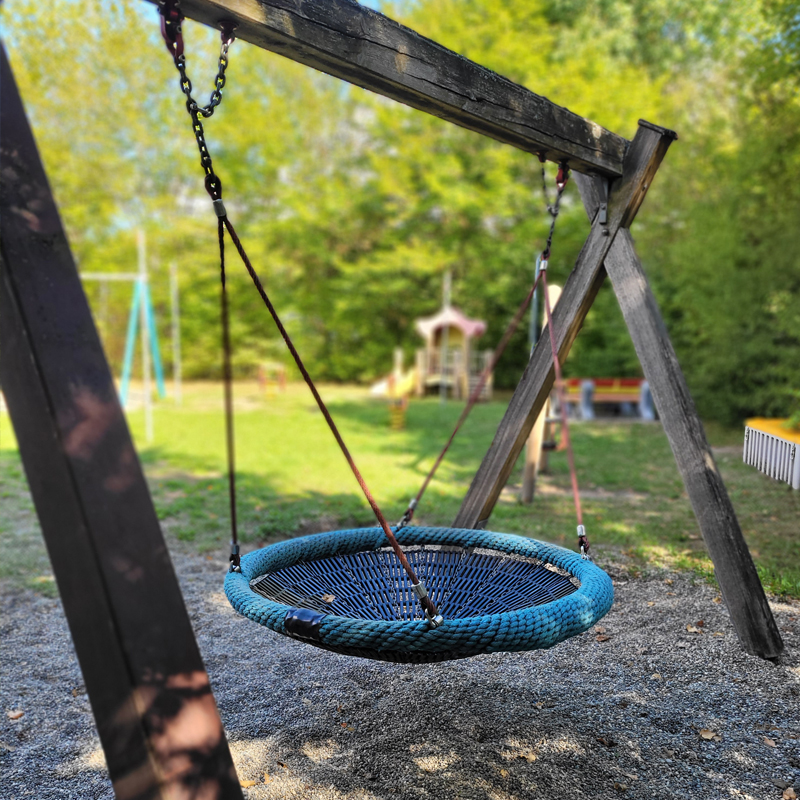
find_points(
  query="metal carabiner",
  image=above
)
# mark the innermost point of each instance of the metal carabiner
(407, 517)
(583, 543)
(227, 30)
(171, 19)
(563, 176)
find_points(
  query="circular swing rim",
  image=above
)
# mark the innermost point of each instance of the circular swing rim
(531, 628)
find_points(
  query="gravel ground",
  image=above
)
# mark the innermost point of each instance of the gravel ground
(615, 713)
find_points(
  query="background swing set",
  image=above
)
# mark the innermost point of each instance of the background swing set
(142, 668)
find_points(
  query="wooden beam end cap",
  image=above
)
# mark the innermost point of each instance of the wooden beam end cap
(666, 132)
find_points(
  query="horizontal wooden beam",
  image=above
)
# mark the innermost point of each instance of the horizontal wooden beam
(641, 163)
(365, 48)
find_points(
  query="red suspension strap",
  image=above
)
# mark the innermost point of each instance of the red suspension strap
(419, 589)
(553, 209)
(171, 19)
(583, 542)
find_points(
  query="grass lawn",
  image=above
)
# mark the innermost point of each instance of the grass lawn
(293, 480)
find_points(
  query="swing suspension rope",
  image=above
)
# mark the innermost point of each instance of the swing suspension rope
(553, 209)
(171, 31)
(171, 19)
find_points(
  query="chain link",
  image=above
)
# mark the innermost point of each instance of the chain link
(553, 208)
(171, 30)
(219, 82)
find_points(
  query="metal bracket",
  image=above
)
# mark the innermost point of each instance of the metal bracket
(421, 592)
(303, 624)
(406, 518)
(602, 211)
(235, 558)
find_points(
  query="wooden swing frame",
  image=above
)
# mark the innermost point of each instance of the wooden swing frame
(127, 617)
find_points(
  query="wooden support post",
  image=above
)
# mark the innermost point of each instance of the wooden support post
(150, 694)
(533, 458)
(641, 163)
(359, 45)
(733, 566)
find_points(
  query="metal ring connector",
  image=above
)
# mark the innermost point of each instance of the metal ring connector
(235, 558)
(171, 19)
(227, 28)
(583, 541)
(419, 589)
(406, 518)
(563, 176)
(219, 207)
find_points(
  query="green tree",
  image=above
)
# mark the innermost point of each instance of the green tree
(354, 207)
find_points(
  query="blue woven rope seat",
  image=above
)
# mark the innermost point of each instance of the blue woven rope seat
(346, 591)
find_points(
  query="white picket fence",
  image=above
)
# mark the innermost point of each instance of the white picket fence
(772, 455)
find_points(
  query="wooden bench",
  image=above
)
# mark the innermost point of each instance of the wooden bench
(585, 392)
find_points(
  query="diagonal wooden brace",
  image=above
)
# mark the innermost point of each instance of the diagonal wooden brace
(641, 162)
(733, 565)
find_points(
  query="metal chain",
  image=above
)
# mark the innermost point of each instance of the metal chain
(171, 20)
(219, 81)
(554, 208)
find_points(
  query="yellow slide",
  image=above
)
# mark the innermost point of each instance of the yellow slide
(401, 386)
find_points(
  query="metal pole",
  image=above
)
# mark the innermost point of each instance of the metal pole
(127, 361)
(448, 285)
(533, 328)
(104, 309)
(109, 276)
(130, 344)
(533, 447)
(176, 331)
(145, 333)
(155, 352)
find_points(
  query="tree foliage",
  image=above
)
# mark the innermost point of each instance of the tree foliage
(354, 207)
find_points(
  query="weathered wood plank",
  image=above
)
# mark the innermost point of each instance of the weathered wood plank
(149, 690)
(733, 564)
(641, 163)
(362, 46)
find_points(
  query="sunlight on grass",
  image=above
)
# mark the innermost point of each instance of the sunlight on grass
(292, 479)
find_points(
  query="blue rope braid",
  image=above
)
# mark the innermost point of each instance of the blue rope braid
(533, 628)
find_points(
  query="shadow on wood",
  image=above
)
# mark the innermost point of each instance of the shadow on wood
(150, 694)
